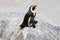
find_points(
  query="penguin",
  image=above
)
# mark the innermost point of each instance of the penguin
(29, 15)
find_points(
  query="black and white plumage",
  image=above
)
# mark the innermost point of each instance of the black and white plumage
(29, 18)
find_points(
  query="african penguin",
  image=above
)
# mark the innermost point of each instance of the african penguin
(29, 18)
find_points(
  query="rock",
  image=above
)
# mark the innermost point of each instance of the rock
(10, 30)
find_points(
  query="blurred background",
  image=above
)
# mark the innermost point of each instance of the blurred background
(47, 10)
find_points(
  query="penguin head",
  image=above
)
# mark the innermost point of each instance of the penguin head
(32, 7)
